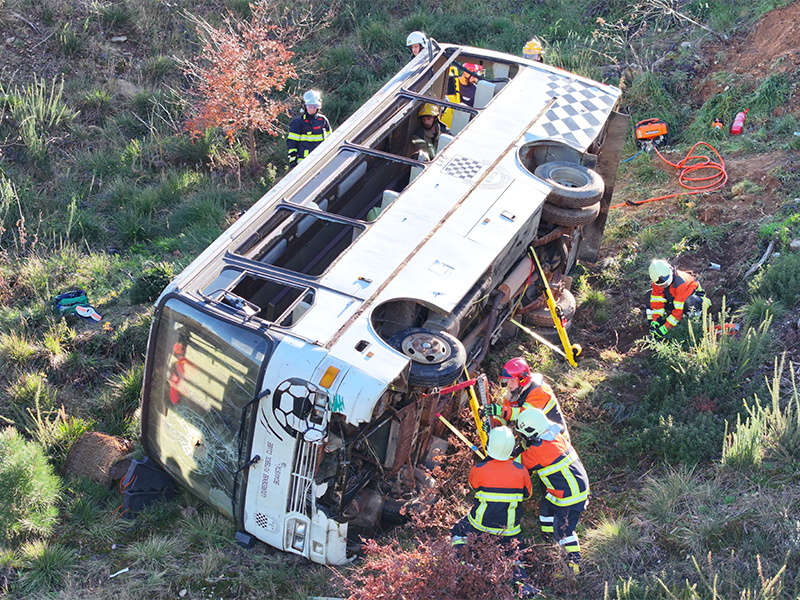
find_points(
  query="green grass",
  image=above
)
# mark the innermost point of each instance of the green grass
(44, 566)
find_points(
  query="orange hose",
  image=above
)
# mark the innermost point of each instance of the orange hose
(689, 167)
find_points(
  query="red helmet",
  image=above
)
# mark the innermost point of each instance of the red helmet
(517, 368)
(476, 69)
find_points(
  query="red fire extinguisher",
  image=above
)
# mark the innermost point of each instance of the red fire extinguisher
(738, 122)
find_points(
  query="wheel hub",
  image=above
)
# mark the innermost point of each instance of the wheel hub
(426, 348)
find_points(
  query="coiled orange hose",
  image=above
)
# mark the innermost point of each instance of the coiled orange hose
(688, 177)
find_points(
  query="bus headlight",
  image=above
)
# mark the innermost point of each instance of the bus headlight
(298, 535)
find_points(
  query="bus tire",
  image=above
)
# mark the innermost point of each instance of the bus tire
(574, 186)
(569, 217)
(541, 317)
(437, 357)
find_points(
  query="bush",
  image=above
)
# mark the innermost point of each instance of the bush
(768, 432)
(29, 489)
(432, 570)
(781, 280)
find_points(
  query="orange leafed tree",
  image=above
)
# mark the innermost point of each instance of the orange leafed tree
(242, 64)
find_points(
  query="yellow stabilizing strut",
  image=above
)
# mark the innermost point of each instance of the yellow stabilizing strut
(539, 338)
(461, 436)
(554, 312)
(475, 406)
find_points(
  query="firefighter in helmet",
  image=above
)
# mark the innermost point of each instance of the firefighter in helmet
(307, 131)
(416, 40)
(673, 293)
(533, 50)
(500, 484)
(525, 390)
(425, 139)
(461, 88)
(550, 455)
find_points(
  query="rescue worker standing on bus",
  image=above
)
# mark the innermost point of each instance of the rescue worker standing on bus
(525, 390)
(674, 292)
(550, 455)
(426, 139)
(501, 485)
(307, 131)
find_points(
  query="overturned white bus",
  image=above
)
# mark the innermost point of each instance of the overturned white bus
(293, 368)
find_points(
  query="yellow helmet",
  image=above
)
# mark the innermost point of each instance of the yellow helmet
(429, 110)
(533, 49)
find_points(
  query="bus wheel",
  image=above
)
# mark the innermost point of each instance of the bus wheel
(574, 186)
(437, 358)
(569, 217)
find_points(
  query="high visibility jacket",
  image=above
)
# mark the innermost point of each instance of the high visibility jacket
(683, 285)
(536, 394)
(500, 485)
(306, 132)
(560, 470)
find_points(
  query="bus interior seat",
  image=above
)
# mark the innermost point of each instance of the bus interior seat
(460, 120)
(499, 71)
(484, 92)
(444, 140)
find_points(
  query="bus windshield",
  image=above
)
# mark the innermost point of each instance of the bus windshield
(204, 372)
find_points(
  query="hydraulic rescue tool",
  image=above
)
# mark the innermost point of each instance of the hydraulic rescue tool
(461, 436)
(570, 351)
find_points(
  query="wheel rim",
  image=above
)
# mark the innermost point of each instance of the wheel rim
(570, 178)
(426, 348)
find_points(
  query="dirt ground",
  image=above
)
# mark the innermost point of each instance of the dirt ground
(772, 47)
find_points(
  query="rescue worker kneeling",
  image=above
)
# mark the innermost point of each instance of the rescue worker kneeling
(674, 292)
(500, 485)
(547, 452)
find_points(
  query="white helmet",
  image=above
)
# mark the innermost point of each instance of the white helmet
(416, 37)
(312, 98)
(533, 422)
(660, 272)
(500, 443)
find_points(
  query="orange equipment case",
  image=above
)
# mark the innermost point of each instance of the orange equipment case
(650, 129)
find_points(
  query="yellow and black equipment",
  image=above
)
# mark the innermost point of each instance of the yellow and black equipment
(571, 351)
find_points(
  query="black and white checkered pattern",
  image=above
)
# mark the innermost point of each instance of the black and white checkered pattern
(463, 167)
(578, 113)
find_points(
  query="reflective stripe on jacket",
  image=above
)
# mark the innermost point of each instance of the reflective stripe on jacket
(306, 133)
(500, 485)
(537, 394)
(561, 471)
(683, 285)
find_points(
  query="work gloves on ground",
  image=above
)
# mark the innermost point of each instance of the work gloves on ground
(658, 330)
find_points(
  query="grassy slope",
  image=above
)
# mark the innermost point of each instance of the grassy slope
(120, 192)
